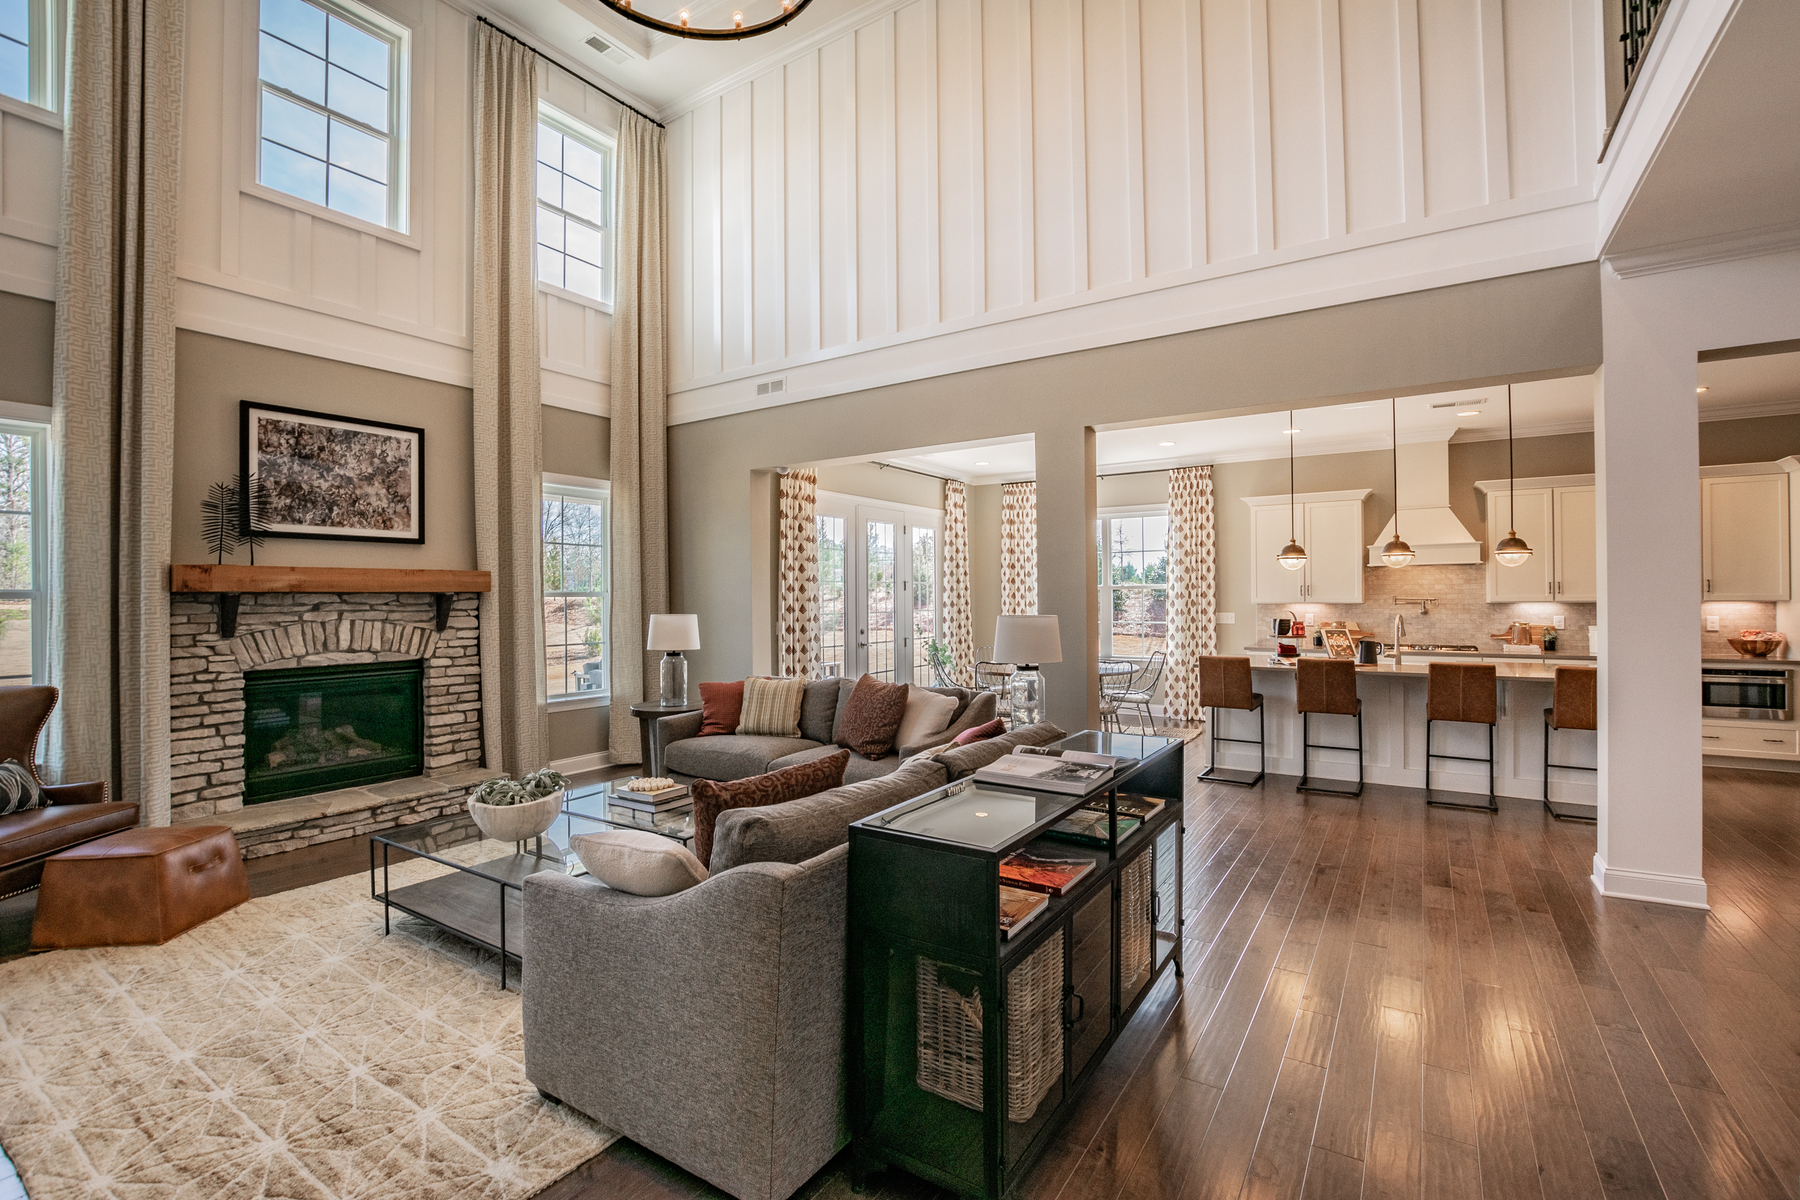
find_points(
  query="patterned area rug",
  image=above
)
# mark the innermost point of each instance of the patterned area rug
(284, 1050)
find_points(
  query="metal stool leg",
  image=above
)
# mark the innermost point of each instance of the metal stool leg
(1306, 783)
(1493, 804)
(1217, 774)
(1550, 805)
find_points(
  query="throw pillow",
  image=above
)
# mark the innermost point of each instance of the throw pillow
(772, 707)
(19, 788)
(638, 862)
(721, 707)
(927, 714)
(758, 791)
(872, 718)
(980, 733)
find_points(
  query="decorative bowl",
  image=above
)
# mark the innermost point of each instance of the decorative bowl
(516, 822)
(1760, 647)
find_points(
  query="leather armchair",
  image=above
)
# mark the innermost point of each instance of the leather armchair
(76, 812)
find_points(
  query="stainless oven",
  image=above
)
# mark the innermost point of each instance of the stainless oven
(1747, 693)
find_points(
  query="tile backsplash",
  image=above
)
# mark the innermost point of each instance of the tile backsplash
(1733, 616)
(1459, 613)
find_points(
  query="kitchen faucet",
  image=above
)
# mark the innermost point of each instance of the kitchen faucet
(1399, 632)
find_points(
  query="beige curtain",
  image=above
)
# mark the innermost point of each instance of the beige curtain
(1193, 593)
(1018, 549)
(114, 395)
(798, 653)
(959, 620)
(640, 460)
(508, 421)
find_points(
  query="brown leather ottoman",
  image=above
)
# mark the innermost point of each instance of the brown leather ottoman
(138, 888)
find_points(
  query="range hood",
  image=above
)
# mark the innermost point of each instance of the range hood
(1426, 522)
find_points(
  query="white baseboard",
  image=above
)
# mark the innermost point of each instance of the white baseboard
(1683, 891)
(583, 762)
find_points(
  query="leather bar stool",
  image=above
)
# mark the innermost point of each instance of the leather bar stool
(1575, 704)
(1467, 693)
(1225, 683)
(1327, 686)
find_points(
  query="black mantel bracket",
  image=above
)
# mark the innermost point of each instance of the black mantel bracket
(228, 614)
(444, 601)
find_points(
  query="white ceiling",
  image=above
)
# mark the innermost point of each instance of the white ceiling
(1740, 387)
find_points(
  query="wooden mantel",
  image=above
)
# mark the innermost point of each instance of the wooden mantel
(228, 581)
(233, 578)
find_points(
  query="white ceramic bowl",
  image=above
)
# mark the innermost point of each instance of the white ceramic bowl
(516, 822)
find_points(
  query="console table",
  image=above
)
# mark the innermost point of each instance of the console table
(967, 1049)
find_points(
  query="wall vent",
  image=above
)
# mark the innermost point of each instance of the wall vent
(1462, 403)
(771, 387)
(607, 50)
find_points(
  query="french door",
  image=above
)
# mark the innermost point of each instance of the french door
(878, 589)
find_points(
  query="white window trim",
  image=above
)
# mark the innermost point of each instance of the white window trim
(400, 203)
(39, 592)
(48, 19)
(1105, 516)
(554, 484)
(607, 145)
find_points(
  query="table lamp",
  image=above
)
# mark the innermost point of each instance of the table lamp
(672, 633)
(1026, 641)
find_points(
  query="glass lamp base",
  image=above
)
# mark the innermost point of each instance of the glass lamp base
(1026, 696)
(674, 681)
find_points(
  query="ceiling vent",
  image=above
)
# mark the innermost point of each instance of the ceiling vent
(607, 50)
(771, 387)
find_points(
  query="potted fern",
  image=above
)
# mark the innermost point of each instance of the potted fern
(517, 810)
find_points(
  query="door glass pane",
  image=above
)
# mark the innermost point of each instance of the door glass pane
(924, 603)
(831, 597)
(880, 632)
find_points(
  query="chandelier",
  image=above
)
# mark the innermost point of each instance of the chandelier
(680, 27)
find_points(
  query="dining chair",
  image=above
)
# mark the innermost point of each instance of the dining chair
(1138, 692)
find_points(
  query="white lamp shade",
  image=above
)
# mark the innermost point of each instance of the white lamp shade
(1020, 639)
(674, 631)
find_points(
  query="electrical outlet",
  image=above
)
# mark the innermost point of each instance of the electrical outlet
(1712, 624)
(1225, 619)
(1562, 621)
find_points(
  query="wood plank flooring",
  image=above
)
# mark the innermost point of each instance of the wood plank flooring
(1385, 1000)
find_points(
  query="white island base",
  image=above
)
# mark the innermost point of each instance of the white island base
(1393, 704)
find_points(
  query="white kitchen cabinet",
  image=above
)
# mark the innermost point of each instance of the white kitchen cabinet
(1744, 537)
(1527, 512)
(1577, 548)
(1332, 532)
(1749, 739)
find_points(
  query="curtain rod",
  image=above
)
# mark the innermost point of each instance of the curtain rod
(622, 103)
(910, 471)
(1129, 474)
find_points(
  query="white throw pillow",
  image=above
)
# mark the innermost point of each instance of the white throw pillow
(638, 862)
(927, 713)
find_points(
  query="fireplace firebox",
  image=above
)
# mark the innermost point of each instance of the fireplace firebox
(316, 729)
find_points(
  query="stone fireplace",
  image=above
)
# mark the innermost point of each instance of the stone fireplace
(307, 634)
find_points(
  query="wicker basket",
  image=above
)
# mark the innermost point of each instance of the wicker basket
(1136, 929)
(950, 1031)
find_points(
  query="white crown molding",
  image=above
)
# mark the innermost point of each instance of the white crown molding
(1486, 486)
(1706, 251)
(1727, 470)
(1308, 497)
(544, 49)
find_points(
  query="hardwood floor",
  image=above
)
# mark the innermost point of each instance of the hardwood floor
(1385, 1000)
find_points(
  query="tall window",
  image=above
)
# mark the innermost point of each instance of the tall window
(924, 601)
(1134, 579)
(574, 591)
(28, 31)
(331, 112)
(574, 206)
(22, 561)
(833, 597)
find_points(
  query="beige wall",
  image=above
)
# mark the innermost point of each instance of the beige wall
(577, 443)
(27, 339)
(984, 563)
(1464, 335)
(888, 484)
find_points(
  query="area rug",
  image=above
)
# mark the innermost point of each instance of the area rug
(284, 1051)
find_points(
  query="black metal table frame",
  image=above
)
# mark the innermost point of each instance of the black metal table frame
(388, 905)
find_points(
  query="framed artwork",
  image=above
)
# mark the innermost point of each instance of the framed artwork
(335, 477)
(1338, 642)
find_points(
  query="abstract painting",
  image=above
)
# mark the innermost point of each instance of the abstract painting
(335, 477)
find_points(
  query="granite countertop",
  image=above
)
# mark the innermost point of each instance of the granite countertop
(1516, 671)
(1473, 655)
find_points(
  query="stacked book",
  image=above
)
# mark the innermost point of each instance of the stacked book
(655, 796)
(1044, 770)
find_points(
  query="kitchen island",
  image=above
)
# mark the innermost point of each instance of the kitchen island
(1393, 702)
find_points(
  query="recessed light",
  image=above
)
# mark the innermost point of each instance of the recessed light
(1296, 430)
(1469, 412)
(982, 463)
(1165, 443)
(1698, 390)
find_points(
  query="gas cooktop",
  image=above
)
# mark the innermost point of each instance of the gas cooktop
(1441, 649)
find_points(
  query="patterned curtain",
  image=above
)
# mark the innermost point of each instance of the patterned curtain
(1193, 593)
(798, 653)
(959, 621)
(1018, 549)
(112, 432)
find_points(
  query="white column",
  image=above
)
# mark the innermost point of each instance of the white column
(1647, 462)
(1067, 584)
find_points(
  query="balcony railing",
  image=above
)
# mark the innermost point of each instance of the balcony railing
(1641, 17)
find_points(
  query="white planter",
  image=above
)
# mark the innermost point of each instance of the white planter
(516, 822)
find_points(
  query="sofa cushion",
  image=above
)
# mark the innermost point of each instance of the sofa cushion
(963, 761)
(980, 733)
(798, 830)
(928, 714)
(734, 757)
(19, 788)
(771, 707)
(721, 706)
(638, 862)
(872, 718)
(818, 711)
(775, 787)
(858, 769)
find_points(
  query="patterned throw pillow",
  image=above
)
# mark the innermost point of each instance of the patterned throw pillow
(721, 708)
(759, 791)
(19, 789)
(872, 717)
(980, 733)
(771, 707)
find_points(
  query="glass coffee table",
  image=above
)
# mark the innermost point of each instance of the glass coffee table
(592, 808)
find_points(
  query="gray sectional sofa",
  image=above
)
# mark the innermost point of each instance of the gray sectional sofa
(708, 1026)
(687, 756)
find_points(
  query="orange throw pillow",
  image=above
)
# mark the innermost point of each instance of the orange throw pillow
(759, 791)
(720, 706)
(872, 717)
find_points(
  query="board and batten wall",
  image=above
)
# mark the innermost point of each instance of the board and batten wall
(953, 185)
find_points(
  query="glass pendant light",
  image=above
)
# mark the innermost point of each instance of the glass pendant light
(1396, 553)
(1511, 550)
(1293, 555)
